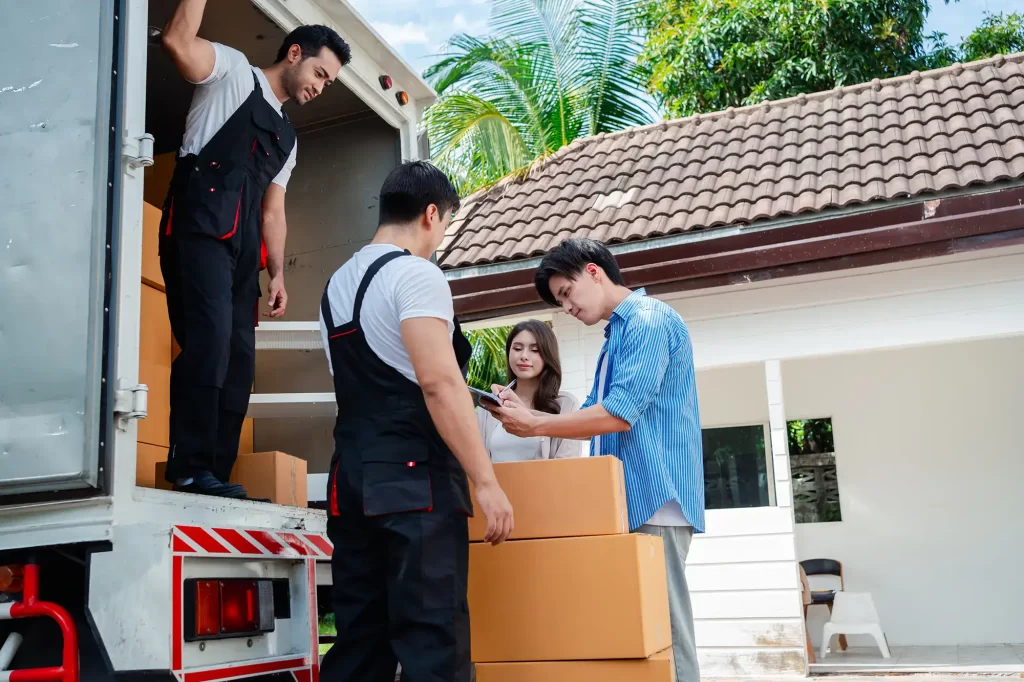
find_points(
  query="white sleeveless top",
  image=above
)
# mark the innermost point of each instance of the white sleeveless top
(504, 447)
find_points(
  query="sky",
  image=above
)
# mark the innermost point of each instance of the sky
(418, 29)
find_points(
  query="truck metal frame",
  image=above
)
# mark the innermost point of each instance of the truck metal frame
(145, 542)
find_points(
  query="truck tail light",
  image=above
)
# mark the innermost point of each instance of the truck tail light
(11, 578)
(402, 97)
(229, 607)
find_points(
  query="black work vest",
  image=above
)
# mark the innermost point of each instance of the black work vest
(219, 192)
(386, 443)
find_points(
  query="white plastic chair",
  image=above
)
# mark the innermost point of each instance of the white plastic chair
(854, 614)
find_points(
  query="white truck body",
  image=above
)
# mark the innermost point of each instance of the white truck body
(71, 247)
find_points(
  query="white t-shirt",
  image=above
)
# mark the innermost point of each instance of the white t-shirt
(218, 97)
(405, 288)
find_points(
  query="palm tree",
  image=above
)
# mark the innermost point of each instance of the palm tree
(487, 365)
(551, 71)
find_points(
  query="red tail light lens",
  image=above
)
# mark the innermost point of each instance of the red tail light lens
(223, 608)
(239, 606)
(207, 605)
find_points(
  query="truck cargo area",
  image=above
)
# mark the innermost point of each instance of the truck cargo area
(344, 152)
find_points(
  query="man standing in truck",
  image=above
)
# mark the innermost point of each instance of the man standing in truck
(223, 222)
(405, 441)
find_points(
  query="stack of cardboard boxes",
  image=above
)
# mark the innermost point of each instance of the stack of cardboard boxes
(572, 595)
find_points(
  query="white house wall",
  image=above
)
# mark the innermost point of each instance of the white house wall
(746, 602)
(928, 456)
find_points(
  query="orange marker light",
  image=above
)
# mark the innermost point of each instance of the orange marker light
(11, 578)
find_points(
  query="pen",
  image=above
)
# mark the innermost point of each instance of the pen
(507, 387)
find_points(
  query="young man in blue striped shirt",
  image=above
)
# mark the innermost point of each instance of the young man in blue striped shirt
(642, 409)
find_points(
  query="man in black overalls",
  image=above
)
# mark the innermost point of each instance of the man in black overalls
(405, 440)
(223, 222)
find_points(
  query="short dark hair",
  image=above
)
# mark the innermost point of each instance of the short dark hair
(569, 259)
(311, 39)
(410, 188)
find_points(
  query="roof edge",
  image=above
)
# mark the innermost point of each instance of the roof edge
(915, 76)
(703, 235)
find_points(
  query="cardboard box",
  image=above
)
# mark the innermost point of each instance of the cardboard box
(151, 274)
(276, 476)
(657, 668)
(155, 428)
(245, 444)
(568, 599)
(147, 457)
(157, 178)
(554, 498)
(155, 336)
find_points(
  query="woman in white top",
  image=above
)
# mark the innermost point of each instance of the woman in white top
(533, 362)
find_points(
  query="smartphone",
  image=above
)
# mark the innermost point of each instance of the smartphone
(480, 396)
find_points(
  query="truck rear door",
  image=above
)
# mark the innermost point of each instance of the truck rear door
(60, 141)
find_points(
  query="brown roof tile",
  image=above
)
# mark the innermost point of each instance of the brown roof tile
(878, 141)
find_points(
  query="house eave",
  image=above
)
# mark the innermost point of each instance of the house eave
(910, 229)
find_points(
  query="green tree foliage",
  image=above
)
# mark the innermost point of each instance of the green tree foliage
(997, 34)
(551, 71)
(708, 55)
(488, 362)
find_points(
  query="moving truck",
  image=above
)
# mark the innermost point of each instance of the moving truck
(102, 572)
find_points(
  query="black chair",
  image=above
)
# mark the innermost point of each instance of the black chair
(825, 597)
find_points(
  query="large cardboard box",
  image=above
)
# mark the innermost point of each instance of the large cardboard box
(147, 458)
(276, 476)
(157, 179)
(555, 498)
(245, 443)
(155, 428)
(151, 274)
(155, 336)
(657, 668)
(568, 599)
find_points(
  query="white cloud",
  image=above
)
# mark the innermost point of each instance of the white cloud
(473, 27)
(398, 36)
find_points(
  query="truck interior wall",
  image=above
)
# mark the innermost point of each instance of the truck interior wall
(332, 213)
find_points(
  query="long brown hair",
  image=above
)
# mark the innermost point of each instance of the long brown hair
(546, 399)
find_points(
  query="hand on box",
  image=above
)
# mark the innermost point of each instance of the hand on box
(497, 510)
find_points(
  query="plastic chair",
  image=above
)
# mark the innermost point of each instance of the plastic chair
(854, 614)
(833, 569)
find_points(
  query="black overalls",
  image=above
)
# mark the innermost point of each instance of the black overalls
(211, 254)
(398, 506)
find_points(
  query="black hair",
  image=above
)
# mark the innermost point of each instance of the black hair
(410, 188)
(313, 38)
(569, 259)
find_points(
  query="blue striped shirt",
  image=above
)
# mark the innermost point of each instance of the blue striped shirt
(650, 383)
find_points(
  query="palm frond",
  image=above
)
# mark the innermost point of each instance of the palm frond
(608, 47)
(551, 26)
(465, 124)
(488, 362)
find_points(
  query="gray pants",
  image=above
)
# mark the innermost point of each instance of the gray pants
(684, 645)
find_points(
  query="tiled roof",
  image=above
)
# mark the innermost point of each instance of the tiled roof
(918, 134)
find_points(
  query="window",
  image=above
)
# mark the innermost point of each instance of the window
(737, 472)
(812, 462)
